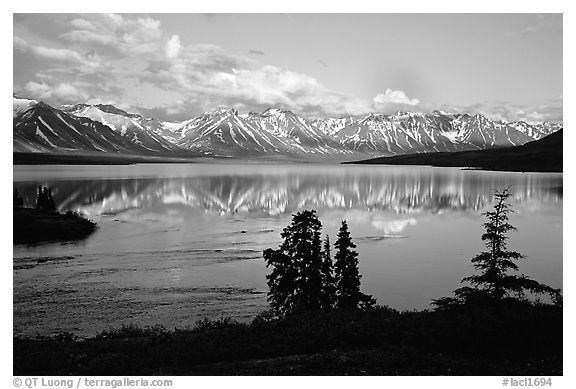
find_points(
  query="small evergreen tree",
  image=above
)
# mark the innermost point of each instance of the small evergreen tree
(296, 277)
(18, 200)
(40, 198)
(494, 283)
(44, 199)
(348, 293)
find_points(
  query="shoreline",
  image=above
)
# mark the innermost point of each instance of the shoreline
(31, 159)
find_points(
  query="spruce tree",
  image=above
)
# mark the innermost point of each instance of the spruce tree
(348, 293)
(494, 283)
(328, 279)
(296, 277)
(311, 265)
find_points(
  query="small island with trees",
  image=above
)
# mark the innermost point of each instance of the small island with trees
(45, 223)
(320, 323)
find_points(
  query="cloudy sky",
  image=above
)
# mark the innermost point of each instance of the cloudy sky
(176, 66)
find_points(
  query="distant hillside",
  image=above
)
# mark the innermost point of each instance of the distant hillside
(543, 155)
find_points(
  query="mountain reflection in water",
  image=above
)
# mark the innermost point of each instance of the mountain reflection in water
(280, 193)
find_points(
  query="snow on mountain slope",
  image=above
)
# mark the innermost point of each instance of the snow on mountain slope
(42, 128)
(536, 131)
(22, 105)
(546, 128)
(225, 133)
(408, 132)
(397, 134)
(331, 126)
(272, 132)
(148, 133)
(484, 133)
(294, 131)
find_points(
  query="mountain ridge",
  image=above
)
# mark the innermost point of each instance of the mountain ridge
(275, 132)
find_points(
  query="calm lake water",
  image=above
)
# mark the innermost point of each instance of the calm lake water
(180, 242)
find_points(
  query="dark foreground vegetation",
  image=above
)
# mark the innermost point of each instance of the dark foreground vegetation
(322, 324)
(543, 155)
(513, 339)
(44, 223)
(36, 225)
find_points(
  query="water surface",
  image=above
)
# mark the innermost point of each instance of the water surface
(181, 242)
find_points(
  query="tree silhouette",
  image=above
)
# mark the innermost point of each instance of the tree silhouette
(296, 277)
(44, 199)
(311, 263)
(494, 283)
(303, 276)
(18, 200)
(348, 293)
(328, 279)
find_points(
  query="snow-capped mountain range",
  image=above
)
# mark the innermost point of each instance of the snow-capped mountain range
(275, 132)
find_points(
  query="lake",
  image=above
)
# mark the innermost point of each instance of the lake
(179, 242)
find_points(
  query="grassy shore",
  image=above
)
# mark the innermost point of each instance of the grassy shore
(35, 225)
(514, 339)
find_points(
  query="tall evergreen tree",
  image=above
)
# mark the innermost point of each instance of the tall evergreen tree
(328, 279)
(348, 293)
(311, 266)
(296, 277)
(494, 282)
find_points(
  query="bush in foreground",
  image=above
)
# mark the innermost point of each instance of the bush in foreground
(524, 338)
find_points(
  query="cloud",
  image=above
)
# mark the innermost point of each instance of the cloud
(134, 61)
(255, 52)
(20, 44)
(89, 37)
(541, 22)
(118, 34)
(551, 110)
(131, 60)
(392, 101)
(83, 24)
(57, 55)
(62, 91)
(394, 97)
(173, 47)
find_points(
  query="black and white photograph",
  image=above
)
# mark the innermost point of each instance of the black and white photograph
(286, 194)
